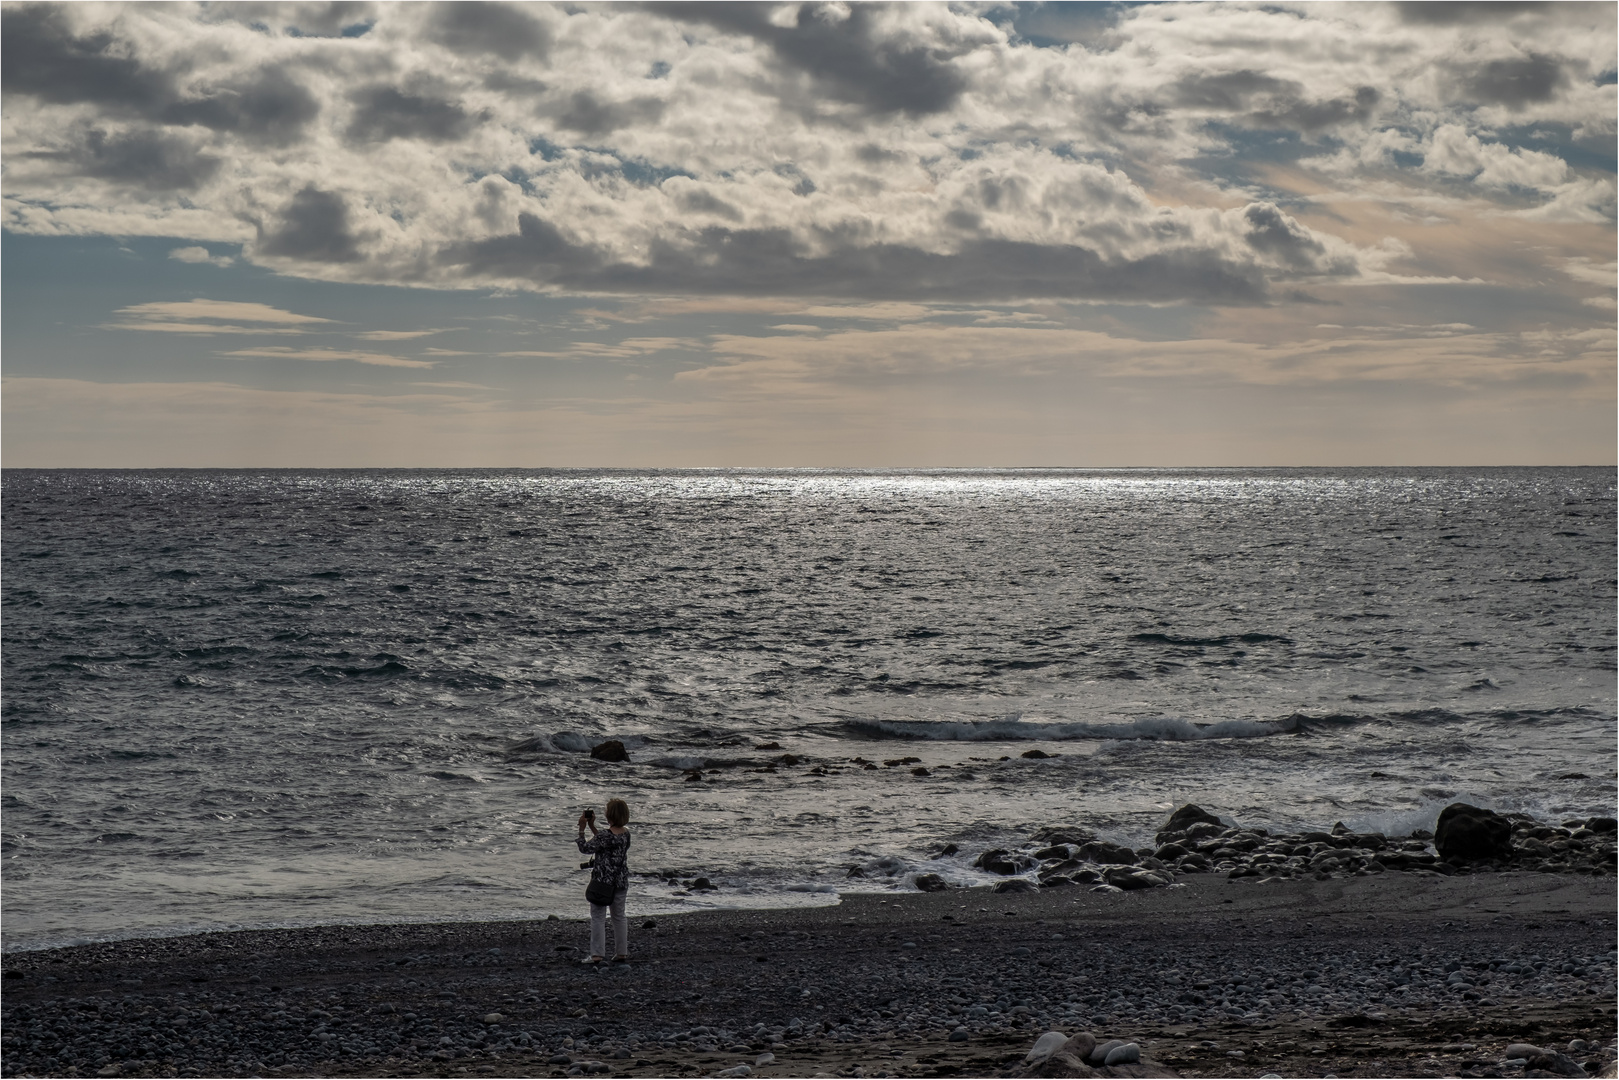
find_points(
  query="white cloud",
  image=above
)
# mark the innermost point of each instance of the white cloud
(322, 355)
(199, 254)
(240, 311)
(396, 335)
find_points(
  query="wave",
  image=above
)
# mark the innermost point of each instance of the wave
(1162, 729)
(573, 742)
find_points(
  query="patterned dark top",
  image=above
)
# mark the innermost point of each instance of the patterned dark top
(612, 858)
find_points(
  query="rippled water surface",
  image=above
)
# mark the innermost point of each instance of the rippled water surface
(269, 698)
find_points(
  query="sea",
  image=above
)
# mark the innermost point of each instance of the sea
(270, 698)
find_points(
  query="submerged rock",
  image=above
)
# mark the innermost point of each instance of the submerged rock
(611, 750)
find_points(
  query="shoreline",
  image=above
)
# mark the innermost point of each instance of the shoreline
(876, 983)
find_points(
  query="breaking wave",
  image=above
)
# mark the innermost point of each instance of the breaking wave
(1161, 729)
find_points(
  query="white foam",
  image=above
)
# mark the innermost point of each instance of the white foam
(1162, 729)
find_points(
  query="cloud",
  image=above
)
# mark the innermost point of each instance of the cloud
(199, 254)
(239, 310)
(325, 355)
(397, 335)
(896, 153)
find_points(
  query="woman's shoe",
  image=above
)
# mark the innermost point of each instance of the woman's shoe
(621, 959)
(591, 960)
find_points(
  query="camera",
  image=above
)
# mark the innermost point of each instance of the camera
(588, 865)
(590, 815)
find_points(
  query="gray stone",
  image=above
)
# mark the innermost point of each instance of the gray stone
(1128, 1054)
(1523, 1050)
(1016, 885)
(959, 1035)
(764, 1059)
(1100, 1053)
(1045, 1046)
(931, 883)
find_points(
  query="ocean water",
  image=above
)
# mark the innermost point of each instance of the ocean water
(266, 698)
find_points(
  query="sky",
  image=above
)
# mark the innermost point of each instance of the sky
(807, 234)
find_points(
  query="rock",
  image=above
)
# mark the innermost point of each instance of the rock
(1100, 851)
(1045, 1046)
(1187, 816)
(736, 1070)
(1099, 1054)
(492, 1018)
(763, 1059)
(1080, 1046)
(931, 883)
(1602, 824)
(1467, 833)
(650, 924)
(1055, 851)
(959, 1035)
(768, 746)
(1016, 885)
(1523, 1050)
(1106, 888)
(611, 750)
(1124, 878)
(1034, 754)
(560, 1059)
(702, 884)
(1128, 1054)
(1166, 852)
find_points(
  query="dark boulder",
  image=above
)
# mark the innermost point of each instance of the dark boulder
(1017, 885)
(611, 750)
(1185, 818)
(1100, 851)
(931, 883)
(1034, 754)
(1467, 833)
(1601, 824)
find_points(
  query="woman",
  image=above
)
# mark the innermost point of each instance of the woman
(610, 868)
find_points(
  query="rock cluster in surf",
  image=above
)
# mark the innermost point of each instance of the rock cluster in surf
(1194, 841)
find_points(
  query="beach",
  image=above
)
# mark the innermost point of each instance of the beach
(1360, 972)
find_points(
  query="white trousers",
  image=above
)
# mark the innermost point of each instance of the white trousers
(621, 927)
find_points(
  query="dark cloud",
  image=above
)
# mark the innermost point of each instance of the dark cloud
(701, 202)
(495, 29)
(1061, 23)
(1466, 12)
(270, 108)
(1265, 101)
(1516, 82)
(1272, 233)
(382, 113)
(42, 57)
(310, 18)
(587, 114)
(872, 154)
(770, 262)
(313, 227)
(152, 160)
(847, 60)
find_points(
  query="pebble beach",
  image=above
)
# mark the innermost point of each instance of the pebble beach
(1368, 974)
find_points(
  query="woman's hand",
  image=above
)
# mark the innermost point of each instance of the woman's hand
(581, 824)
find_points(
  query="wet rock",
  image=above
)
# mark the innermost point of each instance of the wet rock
(702, 884)
(931, 883)
(1168, 852)
(960, 1034)
(1606, 825)
(1469, 833)
(611, 750)
(1034, 754)
(1183, 819)
(1056, 851)
(1017, 885)
(1100, 851)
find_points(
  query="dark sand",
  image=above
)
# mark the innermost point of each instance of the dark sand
(334, 1001)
